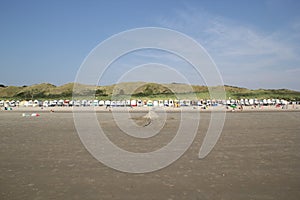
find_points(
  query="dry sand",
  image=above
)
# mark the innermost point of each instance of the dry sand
(138, 109)
(256, 157)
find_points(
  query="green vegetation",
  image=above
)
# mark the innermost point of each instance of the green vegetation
(137, 90)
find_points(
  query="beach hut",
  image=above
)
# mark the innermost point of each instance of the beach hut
(107, 103)
(223, 102)
(139, 103)
(84, 102)
(283, 102)
(166, 103)
(123, 103)
(30, 103)
(76, 103)
(176, 103)
(22, 103)
(171, 103)
(66, 102)
(45, 103)
(37, 103)
(95, 102)
(187, 102)
(101, 103)
(247, 102)
(119, 103)
(51, 103)
(6, 103)
(269, 101)
(133, 103)
(228, 102)
(145, 103)
(181, 103)
(127, 102)
(113, 103)
(214, 102)
(251, 102)
(233, 101)
(54, 103)
(149, 103)
(12, 103)
(71, 103)
(199, 103)
(60, 102)
(265, 102)
(242, 102)
(160, 103)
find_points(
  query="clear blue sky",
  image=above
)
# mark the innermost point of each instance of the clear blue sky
(255, 44)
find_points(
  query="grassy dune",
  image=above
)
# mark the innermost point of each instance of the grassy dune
(139, 90)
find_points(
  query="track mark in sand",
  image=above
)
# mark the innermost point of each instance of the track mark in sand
(145, 120)
(142, 121)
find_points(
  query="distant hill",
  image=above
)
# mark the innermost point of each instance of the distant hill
(136, 90)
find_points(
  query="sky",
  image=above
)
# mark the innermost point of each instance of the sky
(254, 43)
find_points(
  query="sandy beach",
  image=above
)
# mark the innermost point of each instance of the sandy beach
(256, 157)
(145, 109)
